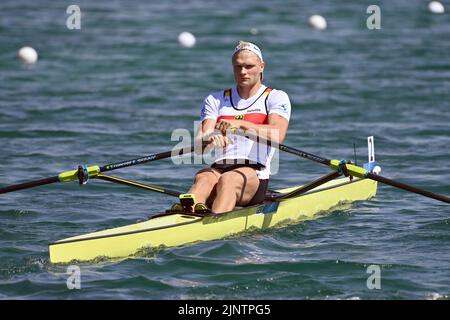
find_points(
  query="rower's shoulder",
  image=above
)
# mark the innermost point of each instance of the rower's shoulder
(215, 98)
(276, 91)
(218, 94)
(277, 94)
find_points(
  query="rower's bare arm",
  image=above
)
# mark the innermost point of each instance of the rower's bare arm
(207, 128)
(279, 126)
(274, 130)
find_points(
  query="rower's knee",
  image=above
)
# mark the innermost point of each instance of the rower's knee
(205, 179)
(229, 181)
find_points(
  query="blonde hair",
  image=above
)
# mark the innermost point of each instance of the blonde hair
(244, 45)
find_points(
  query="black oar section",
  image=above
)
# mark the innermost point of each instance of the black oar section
(301, 153)
(285, 148)
(133, 162)
(148, 158)
(406, 187)
(154, 157)
(30, 184)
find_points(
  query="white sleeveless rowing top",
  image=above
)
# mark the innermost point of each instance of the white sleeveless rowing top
(229, 105)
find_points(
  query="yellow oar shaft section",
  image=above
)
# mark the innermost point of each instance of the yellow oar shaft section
(138, 185)
(72, 175)
(351, 169)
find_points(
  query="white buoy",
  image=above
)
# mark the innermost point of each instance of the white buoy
(254, 31)
(187, 39)
(318, 22)
(28, 55)
(436, 7)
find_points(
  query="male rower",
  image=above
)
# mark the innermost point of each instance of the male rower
(240, 174)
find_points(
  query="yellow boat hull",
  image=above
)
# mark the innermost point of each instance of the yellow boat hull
(177, 229)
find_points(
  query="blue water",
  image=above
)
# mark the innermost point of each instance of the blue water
(117, 88)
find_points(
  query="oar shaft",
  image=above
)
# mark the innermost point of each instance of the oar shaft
(406, 187)
(132, 162)
(93, 171)
(304, 154)
(149, 158)
(30, 184)
(362, 173)
(353, 170)
(285, 148)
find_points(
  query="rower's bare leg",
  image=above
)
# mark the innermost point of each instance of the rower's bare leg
(204, 184)
(236, 187)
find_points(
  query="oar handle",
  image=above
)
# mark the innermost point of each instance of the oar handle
(30, 184)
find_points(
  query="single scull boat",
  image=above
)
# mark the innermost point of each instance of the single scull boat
(175, 228)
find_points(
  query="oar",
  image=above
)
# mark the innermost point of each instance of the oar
(83, 173)
(343, 167)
